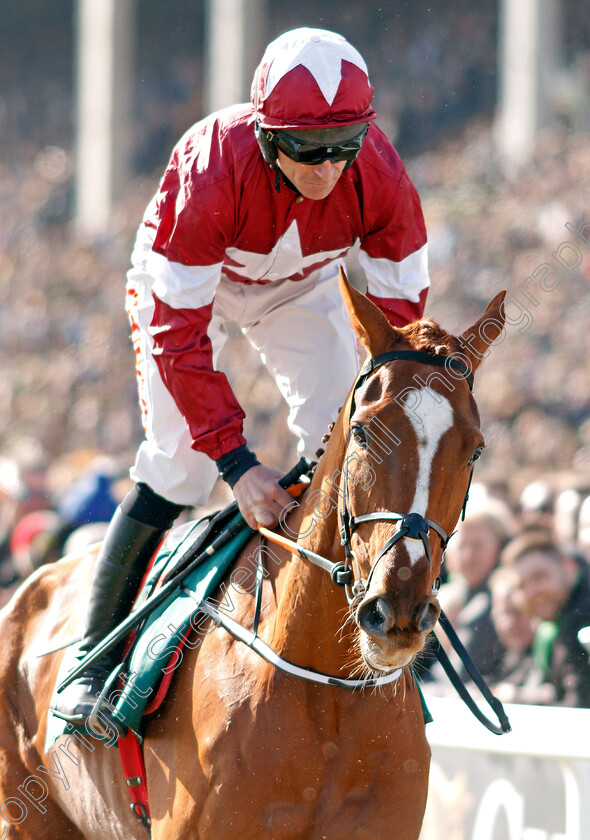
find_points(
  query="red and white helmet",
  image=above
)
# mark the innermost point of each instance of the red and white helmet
(311, 78)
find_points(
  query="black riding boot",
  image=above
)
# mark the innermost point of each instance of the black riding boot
(125, 553)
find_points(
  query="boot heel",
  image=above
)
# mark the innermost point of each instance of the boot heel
(104, 725)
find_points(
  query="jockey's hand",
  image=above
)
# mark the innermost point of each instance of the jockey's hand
(260, 496)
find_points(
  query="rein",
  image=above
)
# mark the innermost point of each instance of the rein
(477, 678)
(340, 574)
(253, 641)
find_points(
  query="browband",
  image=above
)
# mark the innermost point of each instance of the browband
(414, 356)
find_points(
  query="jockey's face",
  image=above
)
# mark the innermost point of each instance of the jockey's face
(316, 180)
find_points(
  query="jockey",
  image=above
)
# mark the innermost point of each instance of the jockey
(255, 213)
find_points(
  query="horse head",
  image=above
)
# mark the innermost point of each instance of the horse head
(406, 439)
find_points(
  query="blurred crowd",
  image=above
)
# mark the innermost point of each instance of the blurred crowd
(49, 509)
(70, 422)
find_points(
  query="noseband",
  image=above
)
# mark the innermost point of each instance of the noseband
(412, 526)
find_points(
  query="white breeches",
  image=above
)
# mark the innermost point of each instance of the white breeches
(303, 335)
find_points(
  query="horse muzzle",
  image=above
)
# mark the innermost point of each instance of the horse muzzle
(392, 641)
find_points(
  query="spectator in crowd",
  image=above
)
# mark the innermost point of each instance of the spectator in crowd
(35, 540)
(517, 678)
(90, 499)
(472, 556)
(555, 590)
(536, 504)
(565, 517)
(584, 639)
(22, 492)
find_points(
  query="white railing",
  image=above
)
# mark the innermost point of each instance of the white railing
(530, 784)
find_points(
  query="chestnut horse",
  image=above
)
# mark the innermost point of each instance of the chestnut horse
(241, 749)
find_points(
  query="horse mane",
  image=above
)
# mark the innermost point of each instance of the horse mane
(428, 336)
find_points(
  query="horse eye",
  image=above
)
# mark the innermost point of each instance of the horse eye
(358, 433)
(476, 456)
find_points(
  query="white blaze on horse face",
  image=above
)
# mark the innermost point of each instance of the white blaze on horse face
(431, 415)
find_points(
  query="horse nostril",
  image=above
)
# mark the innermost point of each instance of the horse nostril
(426, 617)
(375, 617)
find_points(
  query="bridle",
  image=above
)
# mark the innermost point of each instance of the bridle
(412, 526)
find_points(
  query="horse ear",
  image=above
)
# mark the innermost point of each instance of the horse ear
(476, 340)
(370, 324)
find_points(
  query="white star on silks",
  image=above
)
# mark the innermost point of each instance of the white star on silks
(286, 259)
(324, 65)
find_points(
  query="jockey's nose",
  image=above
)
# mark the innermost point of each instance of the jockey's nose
(375, 616)
(324, 170)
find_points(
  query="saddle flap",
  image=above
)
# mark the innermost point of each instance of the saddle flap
(157, 650)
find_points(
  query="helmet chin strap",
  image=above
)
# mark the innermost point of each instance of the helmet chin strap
(270, 155)
(280, 177)
(267, 147)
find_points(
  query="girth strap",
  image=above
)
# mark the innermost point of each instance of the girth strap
(133, 765)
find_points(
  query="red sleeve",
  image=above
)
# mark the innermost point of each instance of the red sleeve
(400, 231)
(184, 355)
(400, 312)
(393, 252)
(193, 222)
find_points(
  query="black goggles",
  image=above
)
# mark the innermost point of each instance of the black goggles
(302, 151)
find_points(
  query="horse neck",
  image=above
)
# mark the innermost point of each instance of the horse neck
(312, 609)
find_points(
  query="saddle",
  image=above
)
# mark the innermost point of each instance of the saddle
(153, 649)
(190, 565)
(188, 568)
